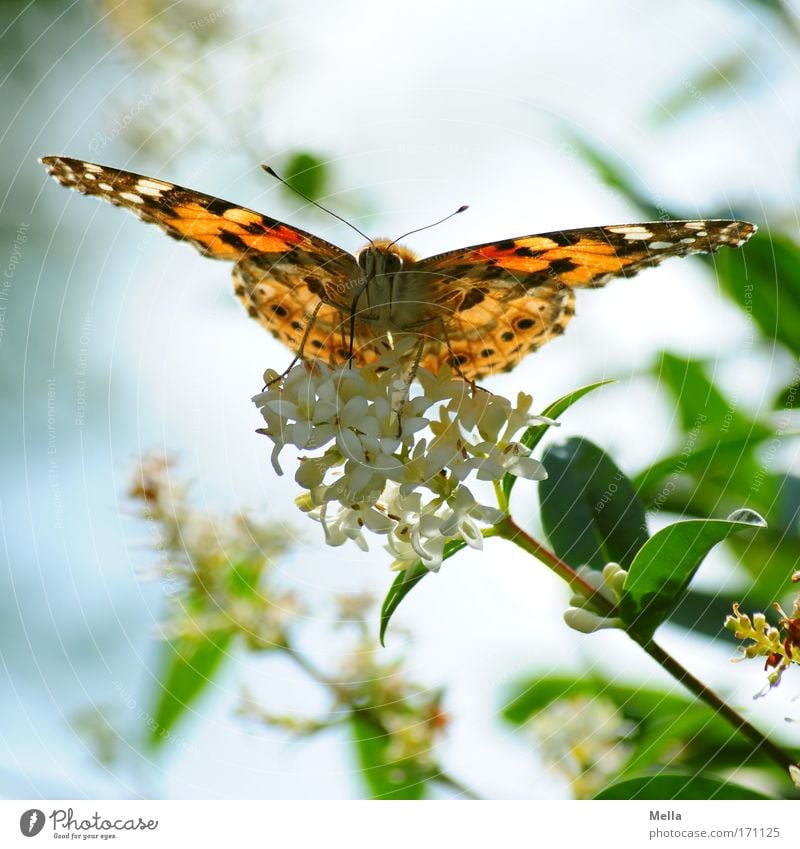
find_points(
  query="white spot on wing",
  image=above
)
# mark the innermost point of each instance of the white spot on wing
(632, 231)
(90, 166)
(152, 188)
(150, 183)
(106, 187)
(131, 197)
(659, 246)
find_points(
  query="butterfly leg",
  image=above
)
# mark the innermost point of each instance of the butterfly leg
(299, 355)
(361, 289)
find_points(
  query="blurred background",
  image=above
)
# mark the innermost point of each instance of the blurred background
(117, 343)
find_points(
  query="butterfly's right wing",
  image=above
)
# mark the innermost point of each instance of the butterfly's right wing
(502, 300)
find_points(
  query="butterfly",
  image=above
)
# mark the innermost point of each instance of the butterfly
(480, 309)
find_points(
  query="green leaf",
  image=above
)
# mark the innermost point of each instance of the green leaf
(705, 412)
(667, 562)
(533, 435)
(189, 667)
(770, 558)
(720, 457)
(677, 786)
(589, 508)
(308, 174)
(764, 280)
(665, 729)
(406, 581)
(636, 703)
(783, 11)
(386, 779)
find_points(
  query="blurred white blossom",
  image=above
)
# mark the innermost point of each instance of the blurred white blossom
(584, 739)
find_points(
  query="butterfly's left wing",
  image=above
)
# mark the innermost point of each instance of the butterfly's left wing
(281, 273)
(502, 300)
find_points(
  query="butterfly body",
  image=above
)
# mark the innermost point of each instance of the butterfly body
(390, 296)
(481, 308)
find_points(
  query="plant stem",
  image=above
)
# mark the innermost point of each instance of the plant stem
(502, 498)
(509, 530)
(707, 695)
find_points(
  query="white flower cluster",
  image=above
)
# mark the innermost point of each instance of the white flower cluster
(389, 448)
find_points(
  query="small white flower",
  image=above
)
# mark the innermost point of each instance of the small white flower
(387, 450)
(582, 616)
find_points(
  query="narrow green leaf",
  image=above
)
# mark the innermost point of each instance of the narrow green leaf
(725, 76)
(614, 174)
(589, 508)
(406, 581)
(189, 667)
(386, 779)
(667, 562)
(533, 435)
(677, 786)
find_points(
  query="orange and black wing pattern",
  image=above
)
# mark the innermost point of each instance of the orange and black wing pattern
(281, 272)
(502, 300)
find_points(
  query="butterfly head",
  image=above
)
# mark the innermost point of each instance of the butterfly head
(383, 257)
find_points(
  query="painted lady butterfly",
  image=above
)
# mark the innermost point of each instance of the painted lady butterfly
(481, 308)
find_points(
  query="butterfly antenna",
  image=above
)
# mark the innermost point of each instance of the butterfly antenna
(271, 171)
(461, 209)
